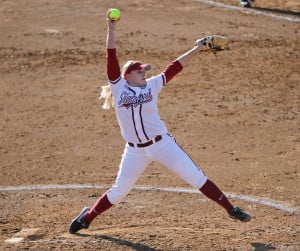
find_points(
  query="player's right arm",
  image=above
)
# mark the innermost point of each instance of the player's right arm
(112, 63)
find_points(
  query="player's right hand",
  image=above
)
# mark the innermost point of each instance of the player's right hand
(111, 24)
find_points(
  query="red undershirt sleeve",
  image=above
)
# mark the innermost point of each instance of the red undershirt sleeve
(172, 69)
(112, 65)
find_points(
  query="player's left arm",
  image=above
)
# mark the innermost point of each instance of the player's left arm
(176, 66)
(185, 58)
(171, 71)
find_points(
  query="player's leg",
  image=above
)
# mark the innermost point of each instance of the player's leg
(175, 159)
(168, 153)
(133, 163)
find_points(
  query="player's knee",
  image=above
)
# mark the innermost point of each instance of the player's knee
(115, 197)
(196, 180)
(118, 192)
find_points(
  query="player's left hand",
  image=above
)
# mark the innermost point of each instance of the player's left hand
(214, 42)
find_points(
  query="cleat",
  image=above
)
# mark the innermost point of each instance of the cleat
(238, 214)
(79, 222)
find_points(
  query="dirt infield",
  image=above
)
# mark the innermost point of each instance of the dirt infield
(235, 112)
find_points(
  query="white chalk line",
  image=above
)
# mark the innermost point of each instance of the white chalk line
(256, 200)
(23, 234)
(249, 10)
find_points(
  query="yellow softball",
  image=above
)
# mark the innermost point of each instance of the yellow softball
(114, 14)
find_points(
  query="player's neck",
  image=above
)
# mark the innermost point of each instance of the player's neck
(135, 84)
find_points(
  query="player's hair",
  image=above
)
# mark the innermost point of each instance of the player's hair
(107, 96)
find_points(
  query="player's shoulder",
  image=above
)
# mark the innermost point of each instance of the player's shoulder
(157, 77)
(117, 85)
(116, 81)
(156, 83)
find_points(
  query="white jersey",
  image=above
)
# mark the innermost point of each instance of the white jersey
(136, 109)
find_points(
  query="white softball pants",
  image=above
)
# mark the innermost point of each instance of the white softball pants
(166, 151)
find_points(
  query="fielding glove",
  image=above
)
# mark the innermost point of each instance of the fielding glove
(214, 42)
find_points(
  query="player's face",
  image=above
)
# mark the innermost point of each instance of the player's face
(136, 78)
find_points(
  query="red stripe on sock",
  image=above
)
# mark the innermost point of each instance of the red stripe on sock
(211, 191)
(99, 207)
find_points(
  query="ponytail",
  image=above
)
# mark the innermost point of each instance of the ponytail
(107, 96)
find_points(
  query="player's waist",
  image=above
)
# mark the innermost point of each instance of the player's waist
(147, 143)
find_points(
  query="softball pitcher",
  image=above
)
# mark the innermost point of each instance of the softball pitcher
(134, 98)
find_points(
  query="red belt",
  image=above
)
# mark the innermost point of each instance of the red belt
(148, 143)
